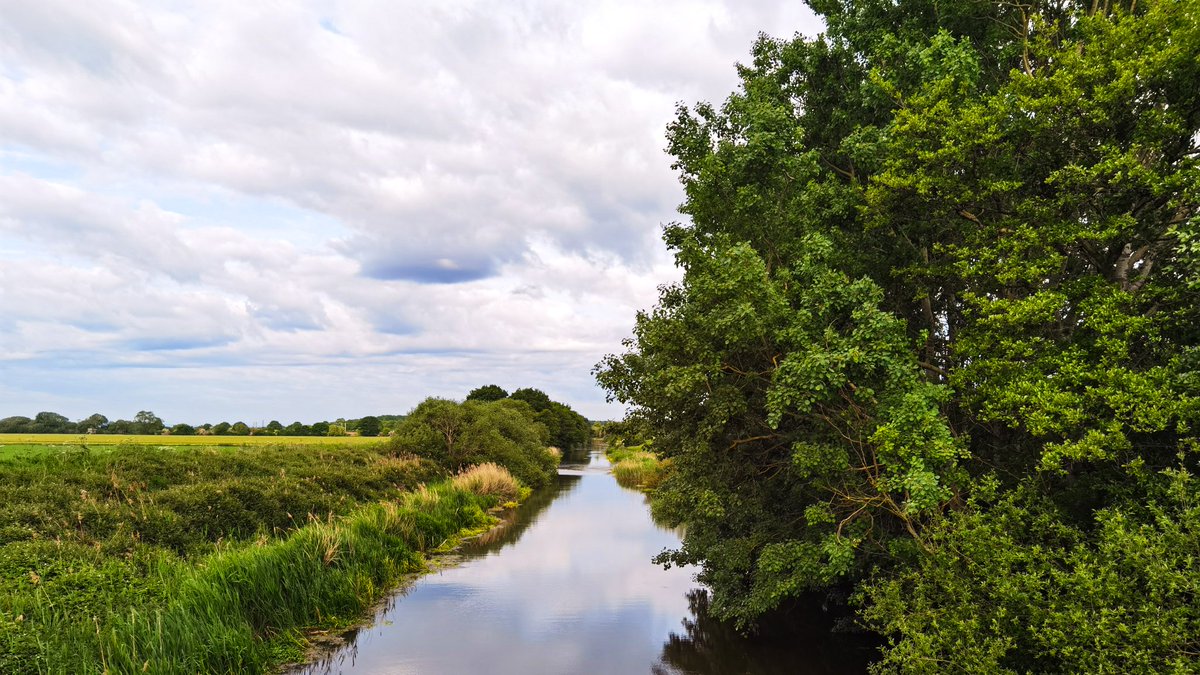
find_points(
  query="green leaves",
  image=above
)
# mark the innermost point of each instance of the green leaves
(1014, 589)
(938, 326)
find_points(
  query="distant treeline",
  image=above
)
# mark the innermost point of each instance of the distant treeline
(146, 422)
(566, 427)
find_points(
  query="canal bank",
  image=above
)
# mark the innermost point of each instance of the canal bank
(567, 586)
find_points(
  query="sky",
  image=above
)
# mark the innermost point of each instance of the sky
(230, 210)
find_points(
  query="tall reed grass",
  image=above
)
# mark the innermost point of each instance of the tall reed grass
(637, 467)
(166, 560)
(245, 609)
(490, 480)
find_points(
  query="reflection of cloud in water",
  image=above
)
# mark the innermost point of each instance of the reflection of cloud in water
(576, 593)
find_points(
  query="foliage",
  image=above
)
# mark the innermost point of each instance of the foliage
(41, 443)
(147, 423)
(458, 435)
(1016, 587)
(233, 610)
(185, 499)
(186, 559)
(567, 428)
(369, 426)
(488, 392)
(941, 246)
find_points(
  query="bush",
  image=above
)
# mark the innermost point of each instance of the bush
(459, 435)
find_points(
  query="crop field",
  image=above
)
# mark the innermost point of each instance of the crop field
(12, 444)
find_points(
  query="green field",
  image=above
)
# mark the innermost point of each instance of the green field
(91, 440)
(221, 554)
(137, 558)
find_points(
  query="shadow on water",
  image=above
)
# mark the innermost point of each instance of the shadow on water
(804, 642)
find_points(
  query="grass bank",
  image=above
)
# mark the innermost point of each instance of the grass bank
(215, 560)
(636, 466)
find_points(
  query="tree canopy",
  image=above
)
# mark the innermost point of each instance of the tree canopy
(940, 282)
(488, 392)
(458, 435)
(567, 428)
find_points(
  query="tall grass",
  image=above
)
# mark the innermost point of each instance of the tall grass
(490, 480)
(636, 466)
(168, 560)
(244, 609)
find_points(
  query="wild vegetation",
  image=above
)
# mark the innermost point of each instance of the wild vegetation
(636, 467)
(458, 435)
(199, 559)
(936, 340)
(634, 464)
(15, 444)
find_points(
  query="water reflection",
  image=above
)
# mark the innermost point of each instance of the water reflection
(800, 644)
(568, 589)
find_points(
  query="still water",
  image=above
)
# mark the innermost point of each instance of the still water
(566, 586)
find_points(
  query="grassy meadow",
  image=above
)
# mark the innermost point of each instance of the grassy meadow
(145, 557)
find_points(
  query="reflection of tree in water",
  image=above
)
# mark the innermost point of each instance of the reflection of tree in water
(579, 454)
(516, 521)
(800, 642)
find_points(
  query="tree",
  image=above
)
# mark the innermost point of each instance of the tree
(488, 392)
(946, 250)
(536, 398)
(274, 427)
(94, 423)
(146, 422)
(121, 427)
(239, 429)
(369, 426)
(182, 429)
(16, 424)
(458, 435)
(297, 429)
(51, 423)
(221, 428)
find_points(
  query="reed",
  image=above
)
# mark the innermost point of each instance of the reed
(246, 609)
(169, 560)
(637, 467)
(490, 480)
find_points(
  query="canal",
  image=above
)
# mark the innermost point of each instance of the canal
(566, 586)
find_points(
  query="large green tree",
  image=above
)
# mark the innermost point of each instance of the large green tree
(944, 245)
(458, 435)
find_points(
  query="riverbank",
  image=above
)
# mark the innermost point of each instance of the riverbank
(211, 560)
(636, 466)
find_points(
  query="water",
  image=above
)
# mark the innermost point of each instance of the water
(567, 586)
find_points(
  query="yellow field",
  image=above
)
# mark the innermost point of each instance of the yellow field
(123, 439)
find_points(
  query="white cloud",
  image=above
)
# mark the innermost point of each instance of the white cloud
(419, 196)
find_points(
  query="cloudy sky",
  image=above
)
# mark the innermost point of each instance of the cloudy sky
(311, 210)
